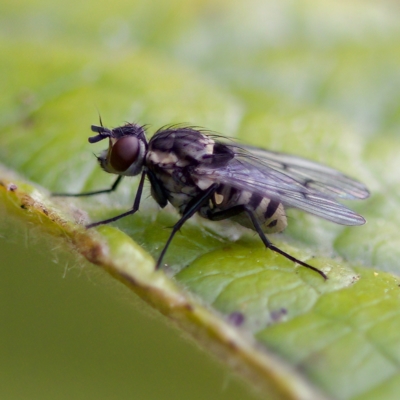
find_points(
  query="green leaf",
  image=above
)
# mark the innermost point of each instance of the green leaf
(320, 80)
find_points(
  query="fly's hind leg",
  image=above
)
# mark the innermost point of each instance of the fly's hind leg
(235, 210)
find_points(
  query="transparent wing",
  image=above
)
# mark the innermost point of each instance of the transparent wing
(311, 174)
(293, 181)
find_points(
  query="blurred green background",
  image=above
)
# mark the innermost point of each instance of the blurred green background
(70, 332)
(319, 78)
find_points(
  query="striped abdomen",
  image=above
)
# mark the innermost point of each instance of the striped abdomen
(270, 213)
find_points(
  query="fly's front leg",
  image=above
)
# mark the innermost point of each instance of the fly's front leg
(111, 189)
(130, 212)
(191, 209)
(231, 212)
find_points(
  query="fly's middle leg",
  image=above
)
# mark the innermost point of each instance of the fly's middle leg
(191, 209)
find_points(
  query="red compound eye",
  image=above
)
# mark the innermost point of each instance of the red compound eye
(124, 153)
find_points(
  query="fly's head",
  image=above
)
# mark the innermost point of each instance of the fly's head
(127, 147)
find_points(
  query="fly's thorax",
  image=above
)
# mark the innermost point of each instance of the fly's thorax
(172, 156)
(174, 178)
(180, 147)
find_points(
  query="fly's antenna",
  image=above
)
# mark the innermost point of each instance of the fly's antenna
(103, 133)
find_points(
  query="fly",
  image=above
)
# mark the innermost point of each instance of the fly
(198, 173)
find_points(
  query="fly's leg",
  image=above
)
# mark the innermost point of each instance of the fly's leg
(111, 189)
(135, 207)
(231, 212)
(191, 209)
